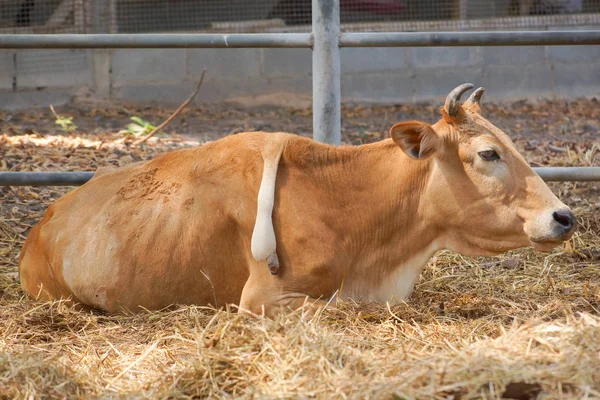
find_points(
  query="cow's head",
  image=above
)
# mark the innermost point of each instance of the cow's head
(482, 194)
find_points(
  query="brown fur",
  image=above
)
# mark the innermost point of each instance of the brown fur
(348, 220)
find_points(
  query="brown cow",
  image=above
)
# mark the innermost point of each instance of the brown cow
(196, 226)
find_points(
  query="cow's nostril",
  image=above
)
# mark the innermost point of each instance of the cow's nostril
(565, 218)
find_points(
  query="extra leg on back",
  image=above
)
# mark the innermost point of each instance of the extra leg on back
(263, 244)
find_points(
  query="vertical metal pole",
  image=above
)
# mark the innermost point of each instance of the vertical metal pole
(326, 71)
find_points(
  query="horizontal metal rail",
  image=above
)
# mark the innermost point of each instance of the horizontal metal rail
(476, 38)
(282, 40)
(565, 174)
(44, 178)
(154, 40)
(555, 174)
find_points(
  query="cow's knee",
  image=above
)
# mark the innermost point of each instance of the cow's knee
(260, 300)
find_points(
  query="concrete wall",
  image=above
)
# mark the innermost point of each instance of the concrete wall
(384, 75)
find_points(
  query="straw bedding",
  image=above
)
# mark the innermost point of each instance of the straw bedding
(521, 325)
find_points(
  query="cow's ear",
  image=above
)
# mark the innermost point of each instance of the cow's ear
(417, 139)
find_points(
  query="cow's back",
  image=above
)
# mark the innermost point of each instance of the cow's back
(175, 229)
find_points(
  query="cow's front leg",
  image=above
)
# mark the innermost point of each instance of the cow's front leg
(262, 298)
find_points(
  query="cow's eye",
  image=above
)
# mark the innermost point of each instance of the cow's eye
(489, 155)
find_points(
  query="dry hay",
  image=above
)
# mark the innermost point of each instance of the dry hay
(474, 328)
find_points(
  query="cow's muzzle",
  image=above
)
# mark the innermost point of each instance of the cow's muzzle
(564, 224)
(562, 227)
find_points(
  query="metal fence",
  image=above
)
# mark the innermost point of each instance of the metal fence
(246, 16)
(325, 40)
(254, 16)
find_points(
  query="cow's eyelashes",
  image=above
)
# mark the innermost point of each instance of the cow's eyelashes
(489, 155)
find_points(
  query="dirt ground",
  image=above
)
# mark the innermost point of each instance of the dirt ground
(525, 322)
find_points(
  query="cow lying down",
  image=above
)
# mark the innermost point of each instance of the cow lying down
(201, 226)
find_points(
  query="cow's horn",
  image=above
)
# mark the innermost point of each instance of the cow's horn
(451, 104)
(475, 97)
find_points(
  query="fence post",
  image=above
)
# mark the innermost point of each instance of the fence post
(326, 71)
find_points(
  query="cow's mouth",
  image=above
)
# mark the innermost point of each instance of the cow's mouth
(545, 245)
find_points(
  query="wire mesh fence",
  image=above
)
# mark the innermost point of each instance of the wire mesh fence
(249, 16)
(140, 16)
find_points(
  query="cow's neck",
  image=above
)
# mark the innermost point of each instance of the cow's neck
(388, 224)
